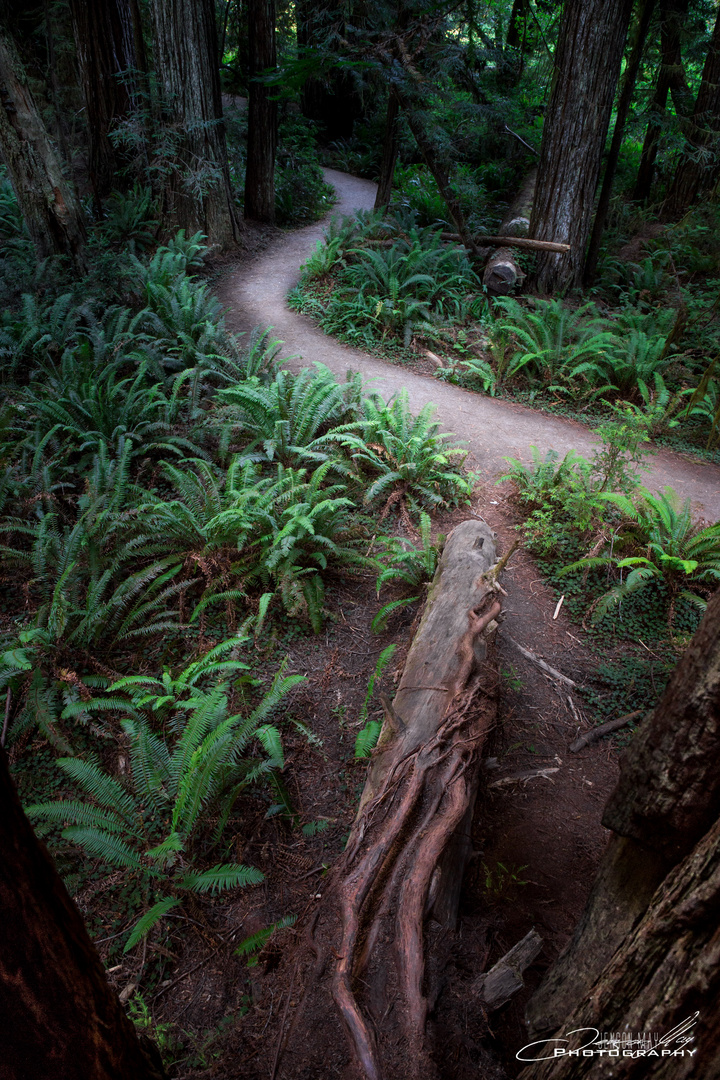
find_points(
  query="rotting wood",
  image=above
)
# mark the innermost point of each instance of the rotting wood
(403, 863)
(496, 986)
(603, 729)
(503, 273)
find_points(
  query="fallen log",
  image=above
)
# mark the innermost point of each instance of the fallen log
(502, 272)
(397, 885)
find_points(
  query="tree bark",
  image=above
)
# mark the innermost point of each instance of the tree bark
(667, 796)
(61, 1020)
(664, 978)
(262, 114)
(587, 65)
(644, 15)
(198, 197)
(396, 888)
(390, 152)
(698, 166)
(671, 77)
(105, 47)
(47, 201)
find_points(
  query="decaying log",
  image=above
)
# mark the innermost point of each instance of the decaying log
(504, 979)
(502, 272)
(667, 796)
(402, 868)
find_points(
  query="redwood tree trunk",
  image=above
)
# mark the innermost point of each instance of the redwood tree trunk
(667, 797)
(262, 114)
(105, 46)
(671, 77)
(664, 978)
(198, 193)
(48, 203)
(587, 65)
(60, 1019)
(390, 152)
(627, 89)
(698, 167)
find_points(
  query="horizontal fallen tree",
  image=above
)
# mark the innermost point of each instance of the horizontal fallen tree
(362, 958)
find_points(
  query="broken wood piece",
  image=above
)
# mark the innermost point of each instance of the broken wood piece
(523, 777)
(504, 979)
(603, 729)
(541, 663)
(559, 605)
(512, 241)
(435, 359)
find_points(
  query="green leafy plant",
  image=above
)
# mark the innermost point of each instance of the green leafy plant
(412, 462)
(152, 822)
(410, 566)
(369, 733)
(669, 548)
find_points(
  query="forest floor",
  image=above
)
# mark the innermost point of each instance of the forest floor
(536, 840)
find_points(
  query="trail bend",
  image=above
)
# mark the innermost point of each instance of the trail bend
(255, 292)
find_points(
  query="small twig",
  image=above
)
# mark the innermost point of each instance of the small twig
(164, 989)
(8, 699)
(520, 139)
(559, 605)
(574, 711)
(282, 1025)
(604, 729)
(541, 664)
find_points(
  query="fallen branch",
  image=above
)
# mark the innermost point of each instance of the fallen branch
(604, 729)
(512, 241)
(523, 777)
(541, 664)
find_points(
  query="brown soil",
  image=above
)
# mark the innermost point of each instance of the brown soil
(545, 832)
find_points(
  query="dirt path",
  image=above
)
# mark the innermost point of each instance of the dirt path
(255, 295)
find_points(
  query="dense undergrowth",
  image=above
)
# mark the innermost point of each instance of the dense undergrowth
(646, 341)
(173, 507)
(636, 360)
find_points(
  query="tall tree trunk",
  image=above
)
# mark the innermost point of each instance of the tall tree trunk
(671, 78)
(587, 65)
(262, 114)
(105, 47)
(390, 152)
(644, 15)
(48, 203)
(667, 796)
(664, 978)
(198, 193)
(61, 1020)
(698, 167)
(518, 17)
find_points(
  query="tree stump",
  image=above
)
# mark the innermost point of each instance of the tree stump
(503, 272)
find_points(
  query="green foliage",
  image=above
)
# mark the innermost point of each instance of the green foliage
(153, 821)
(251, 946)
(665, 546)
(369, 733)
(409, 566)
(412, 463)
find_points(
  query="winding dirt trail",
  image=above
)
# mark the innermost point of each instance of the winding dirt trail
(255, 293)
